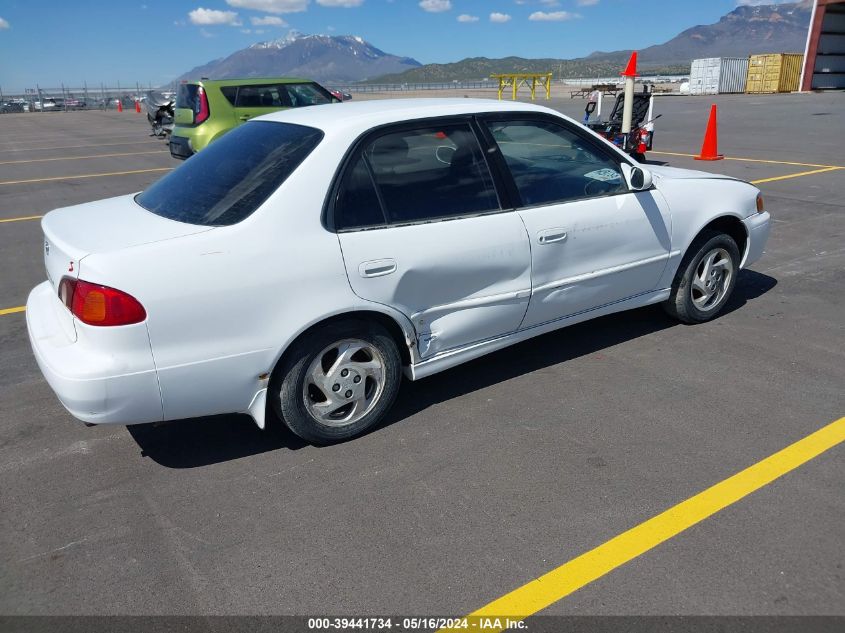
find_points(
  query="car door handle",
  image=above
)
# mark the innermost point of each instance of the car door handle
(377, 268)
(551, 236)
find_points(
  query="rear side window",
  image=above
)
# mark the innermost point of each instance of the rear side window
(232, 177)
(268, 96)
(417, 175)
(357, 203)
(230, 92)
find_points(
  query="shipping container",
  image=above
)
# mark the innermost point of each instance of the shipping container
(718, 75)
(775, 72)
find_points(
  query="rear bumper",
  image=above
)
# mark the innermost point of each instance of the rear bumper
(180, 147)
(106, 376)
(757, 227)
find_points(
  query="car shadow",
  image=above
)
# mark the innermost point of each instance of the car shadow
(209, 440)
(198, 442)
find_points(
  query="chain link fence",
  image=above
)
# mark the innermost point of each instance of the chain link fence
(102, 97)
(66, 98)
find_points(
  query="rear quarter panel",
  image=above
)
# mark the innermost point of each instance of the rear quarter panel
(223, 305)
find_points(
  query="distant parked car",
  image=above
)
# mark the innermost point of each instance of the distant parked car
(341, 96)
(205, 110)
(49, 103)
(72, 103)
(11, 106)
(301, 264)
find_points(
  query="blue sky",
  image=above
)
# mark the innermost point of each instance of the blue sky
(155, 40)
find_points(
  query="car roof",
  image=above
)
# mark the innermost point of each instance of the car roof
(252, 81)
(367, 114)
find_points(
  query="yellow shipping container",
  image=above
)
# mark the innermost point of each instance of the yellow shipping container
(774, 72)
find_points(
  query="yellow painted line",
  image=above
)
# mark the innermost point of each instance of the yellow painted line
(110, 173)
(22, 219)
(752, 160)
(798, 175)
(45, 160)
(9, 143)
(33, 149)
(4, 311)
(551, 587)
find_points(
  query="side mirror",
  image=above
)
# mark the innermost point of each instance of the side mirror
(638, 178)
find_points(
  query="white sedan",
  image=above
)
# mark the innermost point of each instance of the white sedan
(301, 264)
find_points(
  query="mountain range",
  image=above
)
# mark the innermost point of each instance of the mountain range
(325, 58)
(347, 59)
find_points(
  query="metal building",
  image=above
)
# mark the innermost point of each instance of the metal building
(824, 58)
(718, 75)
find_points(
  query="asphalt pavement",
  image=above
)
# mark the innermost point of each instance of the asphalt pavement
(486, 476)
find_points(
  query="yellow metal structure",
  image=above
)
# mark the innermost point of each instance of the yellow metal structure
(531, 80)
(775, 72)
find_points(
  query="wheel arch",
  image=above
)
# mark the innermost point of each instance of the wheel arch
(731, 225)
(399, 328)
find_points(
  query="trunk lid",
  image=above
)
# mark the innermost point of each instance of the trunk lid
(72, 233)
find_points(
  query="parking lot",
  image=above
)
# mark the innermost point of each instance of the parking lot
(487, 476)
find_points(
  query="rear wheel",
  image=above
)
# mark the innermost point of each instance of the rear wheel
(705, 279)
(337, 381)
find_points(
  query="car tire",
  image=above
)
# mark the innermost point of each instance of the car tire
(705, 279)
(337, 381)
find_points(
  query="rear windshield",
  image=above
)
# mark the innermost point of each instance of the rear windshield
(232, 177)
(186, 97)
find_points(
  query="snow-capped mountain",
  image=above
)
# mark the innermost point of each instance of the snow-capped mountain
(326, 58)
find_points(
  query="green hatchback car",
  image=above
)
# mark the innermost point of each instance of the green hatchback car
(207, 109)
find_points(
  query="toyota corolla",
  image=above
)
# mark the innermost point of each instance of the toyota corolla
(301, 265)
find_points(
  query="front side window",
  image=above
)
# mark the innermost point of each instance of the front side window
(233, 176)
(425, 173)
(301, 95)
(550, 163)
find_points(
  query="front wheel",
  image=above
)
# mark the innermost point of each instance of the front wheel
(337, 381)
(705, 279)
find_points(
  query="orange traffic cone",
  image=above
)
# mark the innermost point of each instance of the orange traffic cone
(138, 107)
(631, 68)
(709, 148)
(120, 105)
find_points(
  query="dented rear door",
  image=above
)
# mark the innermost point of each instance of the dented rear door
(422, 230)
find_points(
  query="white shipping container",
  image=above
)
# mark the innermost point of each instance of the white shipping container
(718, 75)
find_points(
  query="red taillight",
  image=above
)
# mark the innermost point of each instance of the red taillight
(100, 305)
(202, 115)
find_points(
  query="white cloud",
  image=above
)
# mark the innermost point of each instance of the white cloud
(588, 3)
(209, 17)
(4, 24)
(550, 3)
(436, 6)
(271, 6)
(345, 4)
(554, 16)
(499, 18)
(268, 20)
(465, 17)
